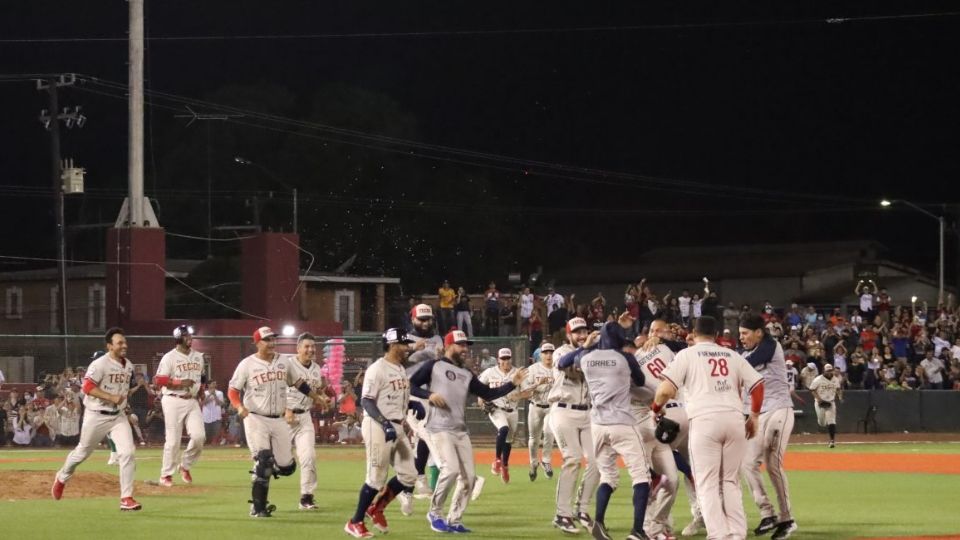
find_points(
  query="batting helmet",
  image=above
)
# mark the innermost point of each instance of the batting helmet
(667, 430)
(182, 330)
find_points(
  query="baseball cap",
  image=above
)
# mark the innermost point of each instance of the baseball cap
(726, 330)
(827, 367)
(396, 335)
(456, 336)
(505, 353)
(789, 362)
(547, 347)
(421, 311)
(811, 365)
(575, 324)
(263, 333)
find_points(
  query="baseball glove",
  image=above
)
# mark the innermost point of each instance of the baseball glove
(488, 407)
(667, 430)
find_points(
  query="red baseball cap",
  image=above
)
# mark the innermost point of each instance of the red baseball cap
(456, 336)
(575, 324)
(421, 311)
(263, 333)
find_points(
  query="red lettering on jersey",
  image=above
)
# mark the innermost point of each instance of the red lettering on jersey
(719, 367)
(655, 367)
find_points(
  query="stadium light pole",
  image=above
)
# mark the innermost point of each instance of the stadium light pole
(890, 202)
(244, 161)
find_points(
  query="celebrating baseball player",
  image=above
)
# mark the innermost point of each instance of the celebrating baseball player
(263, 377)
(427, 345)
(386, 399)
(178, 375)
(570, 422)
(826, 390)
(105, 387)
(539, 382)
(502, 411)
(773, 430)
(608, 372)
(299, 418)
(447, 427)
(712, 377)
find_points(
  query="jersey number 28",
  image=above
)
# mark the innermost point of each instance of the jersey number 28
(719, 367)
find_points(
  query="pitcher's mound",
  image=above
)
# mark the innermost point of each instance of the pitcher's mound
(25, 485)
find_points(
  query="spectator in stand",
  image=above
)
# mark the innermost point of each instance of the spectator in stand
(872, 378)
(931, 371)
(684, 301)
(4, 418)
(407, 321)
(535, 329)
(866, 292)
(464, 311)
(553, 301)
(670, 311)
(491, 310)
(837, 320)
(795, 354)
(840, 359)
(48, 422)
(156, 430)
(793, 377)
(774, 328)
(808, 374)
(901, 344)
(940, 342)
(731, 317)
(793, 318)
(726, 339)
(856, 320)
(810, 316)
(557, 312)
(447, 296)
(2, 379)
(598, 308)
(650, 310)
(910, 379)
(711, 305)
(138, 396)
(696, 303)
(68, 431)
(768, 313)
(892, 382)
(508, 317)
(955, 349)
(486, 360)
(856, 372)
(883, 306)
(212, 412)
(527, 303)
(631, 303)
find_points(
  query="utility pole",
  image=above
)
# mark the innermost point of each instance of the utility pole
(51, 118)
(135, 108)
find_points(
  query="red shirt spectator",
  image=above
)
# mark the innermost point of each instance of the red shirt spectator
(868, 339)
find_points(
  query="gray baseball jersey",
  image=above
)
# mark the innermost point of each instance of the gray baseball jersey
(609, 374)
(310, 374)
(454, 383)
(264, 383)
(773, 369)
(566, 390)
(112, 376)
(177, 365)
(387, 384)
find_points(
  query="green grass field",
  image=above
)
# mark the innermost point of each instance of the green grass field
(826, 504)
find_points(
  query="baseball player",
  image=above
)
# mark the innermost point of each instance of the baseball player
(608, 372)
(711, 377)
(826, 390)
(539, 382)
(105, 387)
(263, 377)
(427, 345)
(299, 418)
(447, 427)
(773, 429)
(570, 423)
(502, 411)
(178, 375)
(386, 399)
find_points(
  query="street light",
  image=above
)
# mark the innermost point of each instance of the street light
(887, 202)
(244, 161)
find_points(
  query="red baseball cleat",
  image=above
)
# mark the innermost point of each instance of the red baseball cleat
(166, 481)
(57, 489)
(357, 530)
(379, 520)
(495, 467)
(128, 504)
(505, 474)
(185, 476)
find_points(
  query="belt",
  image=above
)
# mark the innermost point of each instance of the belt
(299, 411)
(266, 415)
(574, 407)
(109, 413)
(396, 421)
(507, 409)
(181, 396)
(671, 405)
(542, 406)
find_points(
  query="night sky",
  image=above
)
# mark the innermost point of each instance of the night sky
(700, 122)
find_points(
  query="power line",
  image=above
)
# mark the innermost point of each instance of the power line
(499, 32)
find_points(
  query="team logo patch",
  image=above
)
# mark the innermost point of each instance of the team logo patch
(451, 375)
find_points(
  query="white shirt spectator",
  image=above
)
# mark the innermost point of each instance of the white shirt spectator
(932, 368)
(69, 422)
(840, 362)
(697, 308)
(2, 378)
(866, 302)
(22, 433)
(526, 305)
(554, 301)
(955, 350)
(684, 303)
(938, 345)
(212, 410)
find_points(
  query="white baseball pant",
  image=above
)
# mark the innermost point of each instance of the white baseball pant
(610, 441)
(456, 462)
(538, 432)
(768, 447)
(717, 446)
(826, 416)
(381, 454)
(571, 429)
(273, 434)
(178, 412)
(304, 442)
(95, 427)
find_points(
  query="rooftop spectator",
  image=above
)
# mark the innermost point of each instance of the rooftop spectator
(447, 297)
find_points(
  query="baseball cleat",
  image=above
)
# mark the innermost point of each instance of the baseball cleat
(437, 524)
(306, 502)
(113, 459)
(533, 473)
(833, 444)
(566, 525)
(166, 481)
(128, 504)
(406, 503)
(458, 528)
(505, 474)
(421, 488)
(692, 528)
(664, 536)
(584, 519)
(637, 535)
(477, 488)
(185, 476)
(547, 469)
(784, 530)
(599, 531)
(357, 530)
(766, 525)
(495, 467)
(379, 520)
(57, 489)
